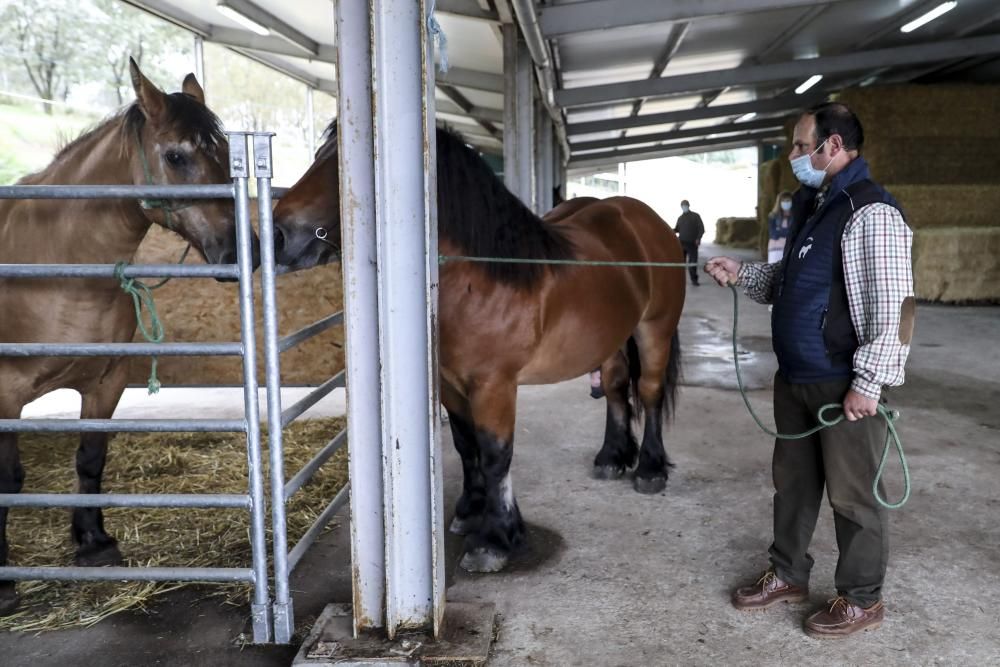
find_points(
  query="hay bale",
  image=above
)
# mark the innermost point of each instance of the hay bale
(957, 264)
(737, 232)
(939, 110)
(937, 160)
(154, 463)
(208, 311)
(936, 206)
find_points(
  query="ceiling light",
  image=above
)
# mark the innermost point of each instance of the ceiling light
(943, 8)
(808, 83)
(747, 116)
(244, 21)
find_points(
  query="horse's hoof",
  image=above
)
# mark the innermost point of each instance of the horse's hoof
(483, 560)
(9, 599)
(608, 472)
(465, 526)
(650, 485)
(98, 555)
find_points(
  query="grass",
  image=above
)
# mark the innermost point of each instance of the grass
(29, 138)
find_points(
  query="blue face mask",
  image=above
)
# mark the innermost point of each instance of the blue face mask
(786, 206)
(685, 208)
(806, 173)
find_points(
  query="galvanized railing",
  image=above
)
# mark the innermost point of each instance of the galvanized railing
(285, 561)
(254, 500)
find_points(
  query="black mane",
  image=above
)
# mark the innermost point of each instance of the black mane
(182, 110)
(477, 213)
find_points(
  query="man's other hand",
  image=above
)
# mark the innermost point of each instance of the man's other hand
(857, 406)
(723, 269)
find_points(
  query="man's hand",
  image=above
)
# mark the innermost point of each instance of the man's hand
(723, 269)
(857, 406)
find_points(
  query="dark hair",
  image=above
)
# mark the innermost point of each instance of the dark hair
(685, 202)
(836, 118)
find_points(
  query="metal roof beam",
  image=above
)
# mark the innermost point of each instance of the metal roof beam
(576, 17)
(466, 106)
(242, 39)
(769, 123)
(467, 9)
(166, 11)
(770, 105)
(681, 148)
(674, 39)
(467, 78)
(793, 69)
(306, 45)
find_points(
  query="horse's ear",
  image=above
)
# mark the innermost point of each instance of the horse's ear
(151, 99)
(193, 88)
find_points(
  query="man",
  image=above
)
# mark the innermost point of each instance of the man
(842, 321)
(689, 230)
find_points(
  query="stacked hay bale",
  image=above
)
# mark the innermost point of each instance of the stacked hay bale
(937, 150)
(208, 311)
(737, 232)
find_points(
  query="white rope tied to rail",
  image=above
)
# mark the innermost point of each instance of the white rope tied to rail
(440, 39)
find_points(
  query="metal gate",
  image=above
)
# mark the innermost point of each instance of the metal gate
(254, 500)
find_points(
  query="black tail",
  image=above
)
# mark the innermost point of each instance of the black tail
(671, 377)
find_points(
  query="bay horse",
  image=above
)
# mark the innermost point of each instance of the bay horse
(504, 325)
(159, 139)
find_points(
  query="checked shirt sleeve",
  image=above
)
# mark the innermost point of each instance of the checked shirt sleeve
(757, 280)
(878, 274)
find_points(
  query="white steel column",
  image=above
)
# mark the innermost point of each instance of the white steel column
(518, 116)
(310, 120)
(404, 161)
(199, 59)
(357, 215)
(543, 161)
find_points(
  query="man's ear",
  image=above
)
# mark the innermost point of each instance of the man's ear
(152, 100)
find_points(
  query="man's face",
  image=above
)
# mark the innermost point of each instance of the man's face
(804, 142)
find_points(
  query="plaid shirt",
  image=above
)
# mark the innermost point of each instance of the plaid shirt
(878, 276)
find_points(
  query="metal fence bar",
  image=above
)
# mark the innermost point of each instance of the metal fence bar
(312, 398)
(299, 550)
(123, 500)
(307, 332)
(120, 349)
(213, 574)
(219, 191)
(303, 476)
(122, 425)
(260, 608)
(108, 271)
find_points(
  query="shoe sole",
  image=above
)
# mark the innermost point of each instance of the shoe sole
(825, 635)
(765, 607)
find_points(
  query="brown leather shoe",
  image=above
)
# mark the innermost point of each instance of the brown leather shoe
(768, 591)
(843, 619)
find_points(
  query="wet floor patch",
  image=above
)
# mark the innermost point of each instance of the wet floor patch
(708, 357)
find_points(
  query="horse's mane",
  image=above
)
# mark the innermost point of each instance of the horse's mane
(477, 213)
(182, 110)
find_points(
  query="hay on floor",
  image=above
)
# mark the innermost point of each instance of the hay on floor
(154, 463)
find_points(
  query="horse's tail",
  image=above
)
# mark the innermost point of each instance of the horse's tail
(671, 377)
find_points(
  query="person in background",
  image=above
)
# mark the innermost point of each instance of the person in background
(689, 230)
(778, 224)
(841, 329)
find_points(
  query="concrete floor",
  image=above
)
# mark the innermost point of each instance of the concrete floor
(613, 578)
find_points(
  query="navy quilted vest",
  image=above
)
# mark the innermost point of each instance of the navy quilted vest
(813, 335)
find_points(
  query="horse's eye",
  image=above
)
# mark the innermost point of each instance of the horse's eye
(175, 158)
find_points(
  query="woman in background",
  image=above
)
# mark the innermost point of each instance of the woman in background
(778, 225)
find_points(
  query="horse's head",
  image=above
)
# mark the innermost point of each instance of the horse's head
(176, 140)
(307, 217)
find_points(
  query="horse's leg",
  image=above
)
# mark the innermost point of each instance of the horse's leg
(502, 528)
(11, 481)
(655, 354)
(94, 546)
(620, 448)
(472, 503)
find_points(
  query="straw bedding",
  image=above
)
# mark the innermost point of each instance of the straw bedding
(154, 463)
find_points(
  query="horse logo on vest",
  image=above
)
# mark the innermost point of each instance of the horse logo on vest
(805, 249)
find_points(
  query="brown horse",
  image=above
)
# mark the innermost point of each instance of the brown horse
(163, 139)
(504, 325)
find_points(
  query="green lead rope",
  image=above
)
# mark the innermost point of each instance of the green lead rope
(141, 295)
(890, 416)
